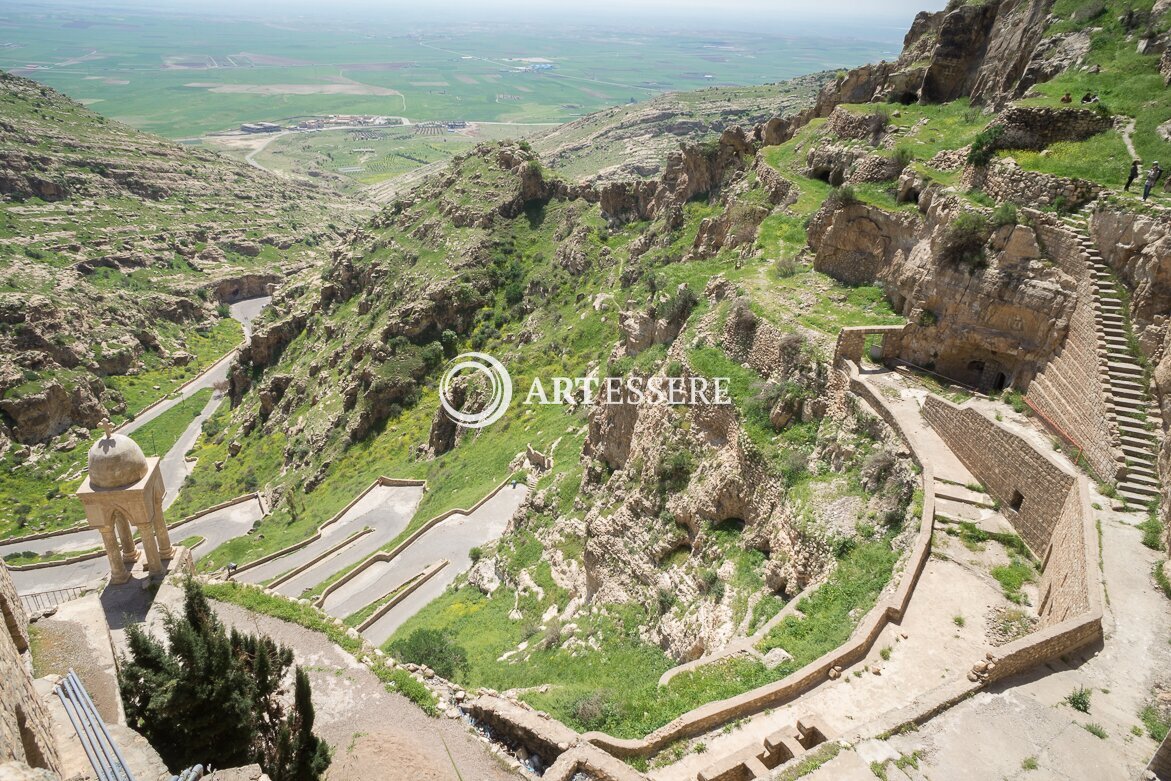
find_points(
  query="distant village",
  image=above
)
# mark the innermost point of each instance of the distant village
(349, 120)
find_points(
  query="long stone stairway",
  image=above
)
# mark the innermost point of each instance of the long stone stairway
(1134, 415)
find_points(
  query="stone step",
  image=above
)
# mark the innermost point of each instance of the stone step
(956, 512)
(1118, 367)
(1138, 482)
(1128, 393)
(1126, 430)
(1136, 497)
(1137, 443)
(958, 493)
(1145, 471)
(1120, 384)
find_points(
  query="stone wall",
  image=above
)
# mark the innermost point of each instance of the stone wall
(1031, 487)
(858, 127)
(1035, 127)
(1160, 764)
(1067, 390)
(26, 731)
(1046, 503)
(1004, 180)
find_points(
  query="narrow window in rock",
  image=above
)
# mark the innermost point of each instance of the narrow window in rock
(1017, 500)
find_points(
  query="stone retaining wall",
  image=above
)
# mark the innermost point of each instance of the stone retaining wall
(1004, 180)
(1049, 507)
(1068, 390)
(1036, 127)
(26, 729)
(1030, 486)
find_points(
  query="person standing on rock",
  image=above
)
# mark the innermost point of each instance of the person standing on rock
(1152, 179)
(1134, 172)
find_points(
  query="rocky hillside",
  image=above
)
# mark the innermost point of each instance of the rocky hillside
(116, 248)
(655, 535)
(634, 140)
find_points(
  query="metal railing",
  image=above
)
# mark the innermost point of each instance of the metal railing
(103, 754)
(44, 600)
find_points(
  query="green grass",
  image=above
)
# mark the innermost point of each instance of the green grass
(24, 558)
(1095, 729)
(1156, 721)
(257, 601)
(624, 673)
(159, 380)
(853, 587)
(1153, 532)
(157, 437)
(1128, 83)
(1012, 577)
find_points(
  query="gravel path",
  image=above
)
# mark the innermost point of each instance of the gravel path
(374, 734)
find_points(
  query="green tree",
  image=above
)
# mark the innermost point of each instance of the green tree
(435, 649)
(210, 696)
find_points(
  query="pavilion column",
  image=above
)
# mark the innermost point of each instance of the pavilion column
(118, 573)
(154, 562)
(126, 535)
(166, 550)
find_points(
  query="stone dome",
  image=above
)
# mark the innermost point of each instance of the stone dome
(116, 461)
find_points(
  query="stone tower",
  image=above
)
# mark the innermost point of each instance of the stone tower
(124, 491)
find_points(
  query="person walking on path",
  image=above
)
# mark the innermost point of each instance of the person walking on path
(1134, 172)
(1152, 179)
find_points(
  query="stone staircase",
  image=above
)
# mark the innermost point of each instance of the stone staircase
(1134, 415)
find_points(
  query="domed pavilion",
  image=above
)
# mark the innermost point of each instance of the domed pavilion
(124, 491)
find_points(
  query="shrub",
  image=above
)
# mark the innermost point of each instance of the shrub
(842, 196)
(435, 649)
(785, 267)
(675, 471)
(476, 553)
(1005, 214)
(964, 239)
(903, 156)
(591, 710)
(984, 145)
(1079, 699)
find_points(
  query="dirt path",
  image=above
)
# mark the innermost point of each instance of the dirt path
(1128, 139)
(374, 734)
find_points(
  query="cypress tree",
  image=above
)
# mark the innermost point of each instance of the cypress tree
(208, 696)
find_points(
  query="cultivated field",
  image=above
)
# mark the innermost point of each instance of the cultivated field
(183, 76)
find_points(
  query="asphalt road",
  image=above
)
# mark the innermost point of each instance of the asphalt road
(385, 509)
(216, 528)
(452, 539)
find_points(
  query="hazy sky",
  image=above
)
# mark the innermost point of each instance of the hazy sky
(881, 19)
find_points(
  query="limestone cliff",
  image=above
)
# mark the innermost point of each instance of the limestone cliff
(991, 323)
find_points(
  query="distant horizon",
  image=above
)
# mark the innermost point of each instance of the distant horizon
(882, 22)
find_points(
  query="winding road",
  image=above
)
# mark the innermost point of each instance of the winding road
(216, 528)
(451, 539)
(385, 509)
(174, 463)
